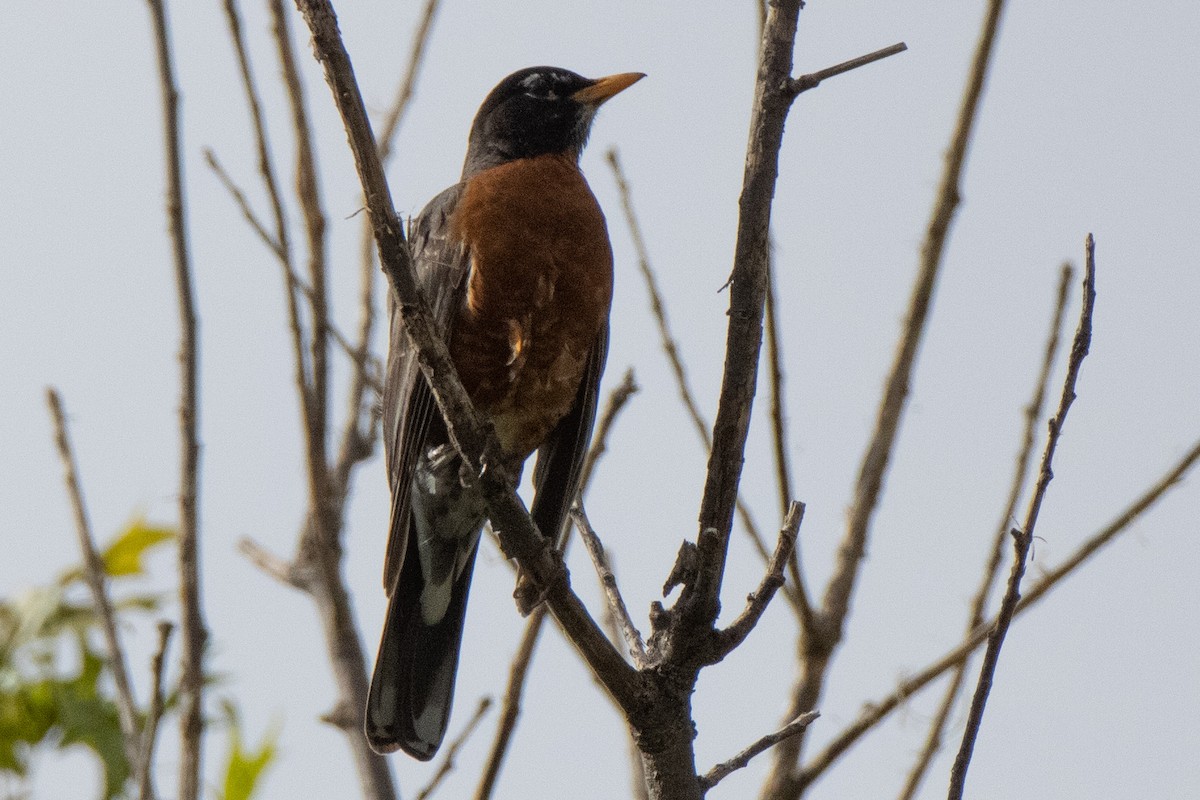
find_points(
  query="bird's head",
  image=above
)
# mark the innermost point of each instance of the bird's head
(536, 111)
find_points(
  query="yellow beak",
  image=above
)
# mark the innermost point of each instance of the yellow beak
(606, 87)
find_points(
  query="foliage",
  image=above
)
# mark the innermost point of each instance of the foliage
(244, 768)
(55, 690)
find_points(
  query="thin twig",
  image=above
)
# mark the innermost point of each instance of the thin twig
(297, 282)
(278, 568)
(724, 769)
(243, 203)
(617, 398)
(1024, 535)
(194, 634)
(637, 771)
(1033, 413)
(748, 288)
(308, 195)
(616, 603)
(404, 94)
(757, 602)
(783, 781)
(813, 79)
(783, 472)
(510, 708)
(280, 241)
(875, 712)
(94, 575)
(150, 730)
(783, 477)
(671, 348)
(447, 765)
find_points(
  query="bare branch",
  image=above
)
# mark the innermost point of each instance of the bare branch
(813, 79)
(362, 411)
(617, 398)
(297, 283)
(1024, 536)
(404, 95)
(94, 575)
(191, 681)
(748, 289)
(756, 603)
(243, 204)
(637, 771)
(798, 592)
(278, 568)
(510, 708)
(280, 242)
(724, 769)
(783, 472)
(358, 431)
(150, 730)
(1033, 413)
(875, 712)
(671, 348)
(838, 593)
(308, 194)
(447, 765)
(616, 603)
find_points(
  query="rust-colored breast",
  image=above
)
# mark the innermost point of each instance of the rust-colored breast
(538, 292)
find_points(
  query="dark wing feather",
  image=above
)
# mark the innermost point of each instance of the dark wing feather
(441, 264)
(561, 456)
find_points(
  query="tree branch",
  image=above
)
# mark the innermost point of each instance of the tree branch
(194, 634)
(150, 731)
(671, 348)
(308, 195)
(813, 79)
(280, 569)
(510, 708)
(616, 603)
(819, 649)
(877, 711)
(404, 94)
(1024, 535)
(757, 601)
(94, 576)
(355, 354)
(724, 769)
(1033, 413)
(280, 243)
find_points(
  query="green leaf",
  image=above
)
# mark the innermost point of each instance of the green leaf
(74, 707)
(245, 767)
(123, 556)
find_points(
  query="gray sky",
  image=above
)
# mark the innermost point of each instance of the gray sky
(1088, 124)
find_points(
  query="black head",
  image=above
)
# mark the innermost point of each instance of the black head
(538, 110)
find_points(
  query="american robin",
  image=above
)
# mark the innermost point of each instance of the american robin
(515, 262)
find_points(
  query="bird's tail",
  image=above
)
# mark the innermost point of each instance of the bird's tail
(408, 707)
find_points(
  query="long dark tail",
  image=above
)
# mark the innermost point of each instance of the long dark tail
(412, 689)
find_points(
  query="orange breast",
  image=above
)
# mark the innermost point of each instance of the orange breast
(538, 292)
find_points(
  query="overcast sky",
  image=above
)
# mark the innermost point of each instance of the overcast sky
(1088, 123)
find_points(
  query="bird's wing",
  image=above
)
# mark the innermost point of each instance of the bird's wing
(441, 264)
(561, 456)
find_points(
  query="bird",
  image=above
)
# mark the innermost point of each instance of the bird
(516, 265)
